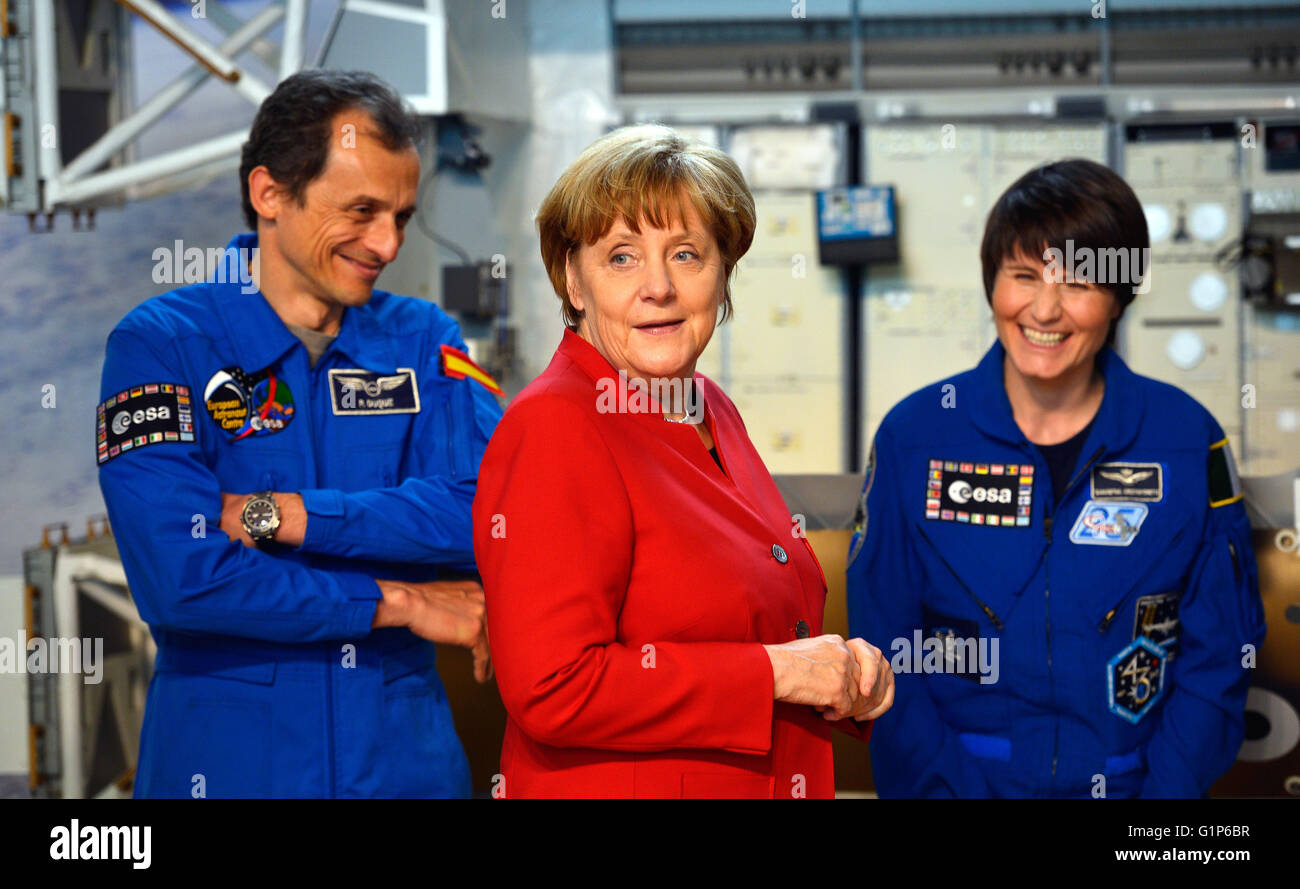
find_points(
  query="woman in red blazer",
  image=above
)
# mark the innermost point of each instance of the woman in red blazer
(653, 610)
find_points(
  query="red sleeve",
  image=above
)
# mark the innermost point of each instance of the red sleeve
(855, 729)
(554, 540)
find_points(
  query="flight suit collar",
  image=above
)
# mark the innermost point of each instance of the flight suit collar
(1117, 422)
(260, 337)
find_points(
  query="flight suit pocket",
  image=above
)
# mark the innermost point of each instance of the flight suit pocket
(373, 466)
(1125, 773)
(212, 726)
(427, 759)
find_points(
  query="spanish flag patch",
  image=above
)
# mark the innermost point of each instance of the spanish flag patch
(458, 365)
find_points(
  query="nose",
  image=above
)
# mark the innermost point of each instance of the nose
(383, 239)
(1046, 307)
(656, 282)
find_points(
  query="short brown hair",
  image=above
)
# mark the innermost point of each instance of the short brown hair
(1071, 200)
(643, 172)
(290, 135)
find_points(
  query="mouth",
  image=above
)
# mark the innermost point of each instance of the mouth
(1043, 339)
(660, 328)
(368, 271)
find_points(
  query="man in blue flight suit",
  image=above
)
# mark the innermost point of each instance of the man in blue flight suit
(333, 432)
(1052, 549)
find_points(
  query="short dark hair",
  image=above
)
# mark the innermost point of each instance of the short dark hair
(290, 134)
(1071, 200)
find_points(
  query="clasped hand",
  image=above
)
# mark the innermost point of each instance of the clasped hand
(842, 680)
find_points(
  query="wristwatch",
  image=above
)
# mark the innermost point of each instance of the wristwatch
(261, 516)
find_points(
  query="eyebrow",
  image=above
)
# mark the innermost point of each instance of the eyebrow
(369, 199)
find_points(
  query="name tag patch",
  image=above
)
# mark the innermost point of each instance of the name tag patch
(995, 494)
(1108, 524)
(1143, 482)
(142, 415)
(1135, 679)
(358, 392)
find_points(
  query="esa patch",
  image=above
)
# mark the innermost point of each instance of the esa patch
(1108, 523)
(1135, 679)
(860, 517)
(245, 405)
(1221, 470)
(999, 495)
(1156, 617)
(150, 413)
(1142, 482)
(357, 392)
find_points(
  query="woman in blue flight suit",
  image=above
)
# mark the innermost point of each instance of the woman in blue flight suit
(1050, 548)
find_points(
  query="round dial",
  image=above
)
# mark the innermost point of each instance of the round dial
(261, 516)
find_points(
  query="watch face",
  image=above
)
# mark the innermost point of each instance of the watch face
(259, 514)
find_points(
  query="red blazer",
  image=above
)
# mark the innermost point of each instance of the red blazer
(630, 586)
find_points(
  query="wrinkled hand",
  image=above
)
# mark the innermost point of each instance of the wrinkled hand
(448, 611)
(876, 686)
(822, 672)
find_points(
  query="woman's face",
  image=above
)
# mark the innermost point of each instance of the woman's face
(650, 300)
(1049, 329)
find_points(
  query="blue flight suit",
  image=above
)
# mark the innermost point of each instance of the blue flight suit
(1114, 624)
(269, 680)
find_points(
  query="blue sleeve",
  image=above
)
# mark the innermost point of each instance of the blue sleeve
(164, 503)
(422, 520)
(914, 753)
(1202, 723)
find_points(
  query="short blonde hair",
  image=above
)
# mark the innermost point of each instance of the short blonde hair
(643, 172)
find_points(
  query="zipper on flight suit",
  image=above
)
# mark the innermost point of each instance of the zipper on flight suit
(313, 373)
(988, 612)
(1110, 615)
(1048, 521)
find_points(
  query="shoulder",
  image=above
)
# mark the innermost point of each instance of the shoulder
(407, 316)
(929, 411)
(177, 313)
(1171, 413)
(562, 392)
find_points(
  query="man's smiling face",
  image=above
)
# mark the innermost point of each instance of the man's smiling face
(353, 216)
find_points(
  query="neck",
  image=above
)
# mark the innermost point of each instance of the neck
(1053, 410)
(283, 289)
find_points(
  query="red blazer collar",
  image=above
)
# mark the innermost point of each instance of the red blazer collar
(584, 354)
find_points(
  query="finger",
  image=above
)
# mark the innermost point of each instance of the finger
(886, 700)
(865, 653)
(884, 705)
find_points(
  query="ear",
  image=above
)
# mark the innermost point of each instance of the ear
(264, 193)
(571, 284)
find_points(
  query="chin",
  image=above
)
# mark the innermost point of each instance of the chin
(663, 364)
(354, 295)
